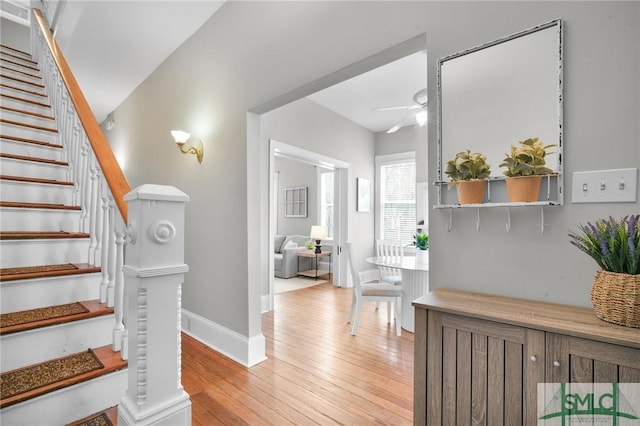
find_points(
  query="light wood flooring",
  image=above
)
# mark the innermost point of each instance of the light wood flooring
(316, 372)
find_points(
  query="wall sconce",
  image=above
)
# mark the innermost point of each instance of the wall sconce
(181, 137)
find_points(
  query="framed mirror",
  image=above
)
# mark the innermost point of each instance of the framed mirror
(494, 95)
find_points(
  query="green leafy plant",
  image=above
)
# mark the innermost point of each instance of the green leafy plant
(527, 159)
(421, 240)
(467, 166)
(613, 244)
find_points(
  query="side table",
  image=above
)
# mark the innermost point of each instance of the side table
(315, 271)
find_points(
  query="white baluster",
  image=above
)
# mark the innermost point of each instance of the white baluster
(111, 256)
(84, 182)
(99, 219)
(118, 328)
(106, 230)
(93, 209)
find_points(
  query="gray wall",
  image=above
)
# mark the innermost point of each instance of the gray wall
(15, 35)
(404, 140)
(293, 174)
(601, 111)
(250, 53)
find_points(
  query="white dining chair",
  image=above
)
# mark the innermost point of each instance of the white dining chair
(391, 249)
(367, 287)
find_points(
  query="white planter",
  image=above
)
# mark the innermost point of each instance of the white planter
(421, 256)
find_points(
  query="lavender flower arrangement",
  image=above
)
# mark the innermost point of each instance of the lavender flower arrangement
(613, 244)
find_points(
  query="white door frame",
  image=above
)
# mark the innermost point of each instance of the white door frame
(341, 218)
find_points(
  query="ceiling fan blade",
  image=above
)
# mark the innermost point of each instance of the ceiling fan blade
(405, 122)
(396, 108)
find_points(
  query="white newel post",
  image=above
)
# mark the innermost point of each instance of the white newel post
(154, 271)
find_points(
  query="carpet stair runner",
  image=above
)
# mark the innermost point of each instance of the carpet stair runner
(54, 332)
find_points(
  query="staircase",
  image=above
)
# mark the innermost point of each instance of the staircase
(49, 295)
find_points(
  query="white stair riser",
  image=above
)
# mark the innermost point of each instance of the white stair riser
(29, 133)
(17, 349)
(69, 404)
(48, 291)
(30, 192)
(18, 58)
(26, 149)
(43, 252)
(27, 119)
(25, 106)
(19, 63)
(21, 83)
(25, 219)
(21, 94)
(18, 72)
(34, 169)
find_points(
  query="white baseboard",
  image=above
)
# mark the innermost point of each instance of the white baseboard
(247, 351)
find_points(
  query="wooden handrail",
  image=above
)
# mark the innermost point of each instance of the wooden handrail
(113, 174)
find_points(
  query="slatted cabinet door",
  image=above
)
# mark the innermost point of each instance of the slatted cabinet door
(481, 372)
(577, 360)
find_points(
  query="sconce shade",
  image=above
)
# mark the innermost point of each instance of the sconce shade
(318, 232)
(180, 136)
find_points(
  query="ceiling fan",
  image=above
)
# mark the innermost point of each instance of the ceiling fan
(420, 116)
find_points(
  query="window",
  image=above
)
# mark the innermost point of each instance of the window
(326, 200)
(396, 200)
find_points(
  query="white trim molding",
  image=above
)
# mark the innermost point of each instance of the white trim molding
(247, 351)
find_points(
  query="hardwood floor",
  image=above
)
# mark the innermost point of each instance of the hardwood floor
(316, 372)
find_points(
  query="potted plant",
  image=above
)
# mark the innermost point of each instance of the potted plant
(421, 240)
(615, 246)
(525, 168)
(468, 172)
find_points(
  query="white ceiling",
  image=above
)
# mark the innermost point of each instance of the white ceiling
(391, 85)
(112, 46)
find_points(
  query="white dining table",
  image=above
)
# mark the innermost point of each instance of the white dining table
(415, 283)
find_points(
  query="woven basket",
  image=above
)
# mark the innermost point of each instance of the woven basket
(616, 298)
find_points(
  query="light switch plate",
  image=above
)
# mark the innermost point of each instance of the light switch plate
(605, 186)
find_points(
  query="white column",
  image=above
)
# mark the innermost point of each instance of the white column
(154, 271)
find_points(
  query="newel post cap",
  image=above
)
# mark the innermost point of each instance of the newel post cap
(157, 192)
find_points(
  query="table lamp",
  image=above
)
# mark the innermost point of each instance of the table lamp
(318, 233)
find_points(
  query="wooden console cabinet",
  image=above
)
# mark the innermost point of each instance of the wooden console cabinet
(479, 358)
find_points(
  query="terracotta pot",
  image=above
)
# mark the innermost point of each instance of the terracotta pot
(471, 191)
(616, 298)
(523, 188)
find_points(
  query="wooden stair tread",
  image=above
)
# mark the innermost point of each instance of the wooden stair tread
(27, 101)
(22, 205)
(34, 159)
(37, 235)
(110, 359)
(19, 80)
(111, 413)
(33, 114)
(81, 268)
(20, 89)
(32, 141)
(35, 180)
(95, 309)
(30, 126)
